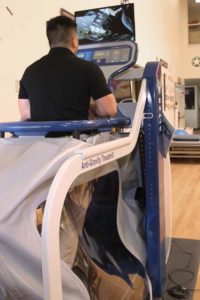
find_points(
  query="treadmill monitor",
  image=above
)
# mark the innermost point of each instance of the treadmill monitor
(107, 24)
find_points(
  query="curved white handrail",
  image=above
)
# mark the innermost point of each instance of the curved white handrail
(68, 172)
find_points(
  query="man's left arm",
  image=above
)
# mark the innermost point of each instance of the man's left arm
(24, 102)
(104, 106)
(24, 109)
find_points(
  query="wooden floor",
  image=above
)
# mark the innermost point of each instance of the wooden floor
(186, 202)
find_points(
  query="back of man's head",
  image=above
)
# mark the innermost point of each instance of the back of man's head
(60, 31)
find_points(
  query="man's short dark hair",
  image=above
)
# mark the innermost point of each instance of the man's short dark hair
(60, 29)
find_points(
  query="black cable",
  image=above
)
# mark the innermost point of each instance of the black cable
(170, 276)
(178, 290)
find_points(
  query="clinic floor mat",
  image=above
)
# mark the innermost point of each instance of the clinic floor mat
(182, 268)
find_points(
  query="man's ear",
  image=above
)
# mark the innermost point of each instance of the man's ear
(75, 43)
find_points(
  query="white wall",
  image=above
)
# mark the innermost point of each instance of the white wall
(158, 34)
(23, 41)
(190, 52)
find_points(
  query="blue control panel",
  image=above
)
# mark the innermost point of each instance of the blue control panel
(112, 58)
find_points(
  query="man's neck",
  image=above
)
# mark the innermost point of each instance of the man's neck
(61, 45)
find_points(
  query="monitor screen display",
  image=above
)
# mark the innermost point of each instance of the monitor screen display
(107, 24)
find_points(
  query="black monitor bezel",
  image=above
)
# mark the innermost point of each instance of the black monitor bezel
(82, 12)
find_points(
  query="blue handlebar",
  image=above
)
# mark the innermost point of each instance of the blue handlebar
(28, 128)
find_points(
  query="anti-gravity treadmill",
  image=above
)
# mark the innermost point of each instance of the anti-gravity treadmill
(104, 193)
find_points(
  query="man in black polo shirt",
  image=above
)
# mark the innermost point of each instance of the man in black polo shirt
(60, 86)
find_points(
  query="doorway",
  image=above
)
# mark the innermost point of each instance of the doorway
(192, 103)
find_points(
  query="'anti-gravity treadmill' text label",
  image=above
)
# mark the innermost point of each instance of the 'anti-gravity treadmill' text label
(97, 161)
